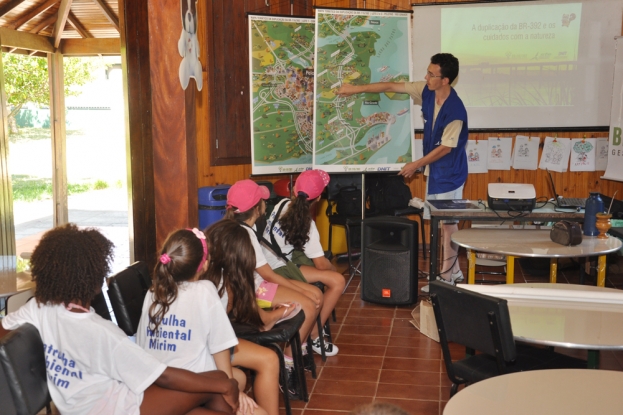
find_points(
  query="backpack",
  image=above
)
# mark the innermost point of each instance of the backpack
(385, 194)
(348, 201)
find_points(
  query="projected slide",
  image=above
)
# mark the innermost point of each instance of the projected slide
(365, 132)
(282, 79)
(526, 55)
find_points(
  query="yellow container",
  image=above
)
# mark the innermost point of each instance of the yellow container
(338, 235)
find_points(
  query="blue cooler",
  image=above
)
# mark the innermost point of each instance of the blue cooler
(212, 204)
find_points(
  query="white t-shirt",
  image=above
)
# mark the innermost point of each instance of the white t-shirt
(92, 366)
(194, 328)
(312, 249)
(260, 259)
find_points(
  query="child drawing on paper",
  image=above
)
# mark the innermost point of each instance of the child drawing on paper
(523, 151)
(473, 156)
(581, 149)
(553, 154)
(496, 154)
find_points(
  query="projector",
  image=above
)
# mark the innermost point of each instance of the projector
(511, 196)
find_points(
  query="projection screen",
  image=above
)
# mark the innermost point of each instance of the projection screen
(525, 64)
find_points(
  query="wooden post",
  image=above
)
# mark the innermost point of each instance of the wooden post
(7, 224)
(59, 138)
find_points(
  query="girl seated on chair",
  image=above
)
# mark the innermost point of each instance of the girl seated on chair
(92, 366)
(183, 323)
(245, 204)
(230, 268)
(295, 236)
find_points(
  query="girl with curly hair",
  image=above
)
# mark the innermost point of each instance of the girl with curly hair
(92, 366)
(301, 256)
(183, 323)
(231, 265)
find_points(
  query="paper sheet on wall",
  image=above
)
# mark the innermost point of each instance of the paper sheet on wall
(601, 154)
(500, 152)
(582, 154)
(526, 153)
(477, 156)
(555, 155)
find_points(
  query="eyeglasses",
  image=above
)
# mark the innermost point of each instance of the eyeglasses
(430, 75)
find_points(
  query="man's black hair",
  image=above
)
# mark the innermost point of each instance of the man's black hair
(448, 64)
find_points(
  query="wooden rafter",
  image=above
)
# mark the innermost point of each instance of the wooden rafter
(90, 47)
(22, 40)
(109, 13)
(9, 6)
(61, 20)
(73, 20)
(31, 14)
(47, 22)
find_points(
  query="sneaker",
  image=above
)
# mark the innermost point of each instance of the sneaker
(308, 362)
(291, 383)
(425, 288)
(458, 276)
(329, 348)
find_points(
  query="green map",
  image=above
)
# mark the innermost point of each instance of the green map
(364, 132)
(281, 59)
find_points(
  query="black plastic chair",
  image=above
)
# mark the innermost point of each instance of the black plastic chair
(284, 332)
(126, 291)
(24, 388)
(482, 323)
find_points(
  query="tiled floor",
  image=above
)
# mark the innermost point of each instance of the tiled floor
(384, 358)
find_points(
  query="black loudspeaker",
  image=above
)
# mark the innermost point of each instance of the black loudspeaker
(389, 260)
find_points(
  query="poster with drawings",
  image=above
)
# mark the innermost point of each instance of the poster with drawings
(476, 151)
(555, 155)
(499, 154)
(582, 154)
(601, 154)
(526, 153)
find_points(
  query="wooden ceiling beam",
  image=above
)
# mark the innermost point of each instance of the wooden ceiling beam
(61, 20)
(50, 20)
(114, 20)
(73, 20)
(22, 40)
(9, 6)
(90, 47)
(31, 14)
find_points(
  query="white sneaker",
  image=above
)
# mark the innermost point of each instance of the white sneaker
(329, 348)
(457, 276)
(425, 288)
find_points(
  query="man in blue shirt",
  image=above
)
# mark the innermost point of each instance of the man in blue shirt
(445, 137)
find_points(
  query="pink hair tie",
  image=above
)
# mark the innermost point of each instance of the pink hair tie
(202, 238)
(165, 259)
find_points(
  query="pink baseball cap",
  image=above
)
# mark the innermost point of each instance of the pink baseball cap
(245, 194)
(311, 182)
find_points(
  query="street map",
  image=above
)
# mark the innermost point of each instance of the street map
(364, 132)
(281, 61)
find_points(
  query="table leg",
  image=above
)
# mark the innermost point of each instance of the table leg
(553, 270)
(593, 359)
(434, 241)
(510, 269)
(601, 271)
(471, 264)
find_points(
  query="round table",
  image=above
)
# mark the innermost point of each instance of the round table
(546, 392)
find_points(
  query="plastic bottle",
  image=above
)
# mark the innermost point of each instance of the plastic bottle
(594, 205)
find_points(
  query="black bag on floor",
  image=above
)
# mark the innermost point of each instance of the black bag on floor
(348, 201)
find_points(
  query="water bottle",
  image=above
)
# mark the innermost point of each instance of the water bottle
(594, 205)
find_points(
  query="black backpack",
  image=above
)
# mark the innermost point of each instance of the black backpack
(386, 193)
(348, 201)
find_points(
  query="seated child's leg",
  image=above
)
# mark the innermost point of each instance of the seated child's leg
(334, 282)
(265, 364)
(285, 295)
(162, 401)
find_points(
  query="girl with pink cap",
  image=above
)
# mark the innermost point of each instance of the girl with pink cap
(245, 204)
(295, 250)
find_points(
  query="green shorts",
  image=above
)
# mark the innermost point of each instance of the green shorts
(292, 270)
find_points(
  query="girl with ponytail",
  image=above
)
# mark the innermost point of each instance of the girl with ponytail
(183, 323)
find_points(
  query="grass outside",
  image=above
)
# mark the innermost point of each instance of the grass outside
(32, 133)
(28, 188)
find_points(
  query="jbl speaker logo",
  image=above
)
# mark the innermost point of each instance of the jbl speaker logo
(386, 293)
